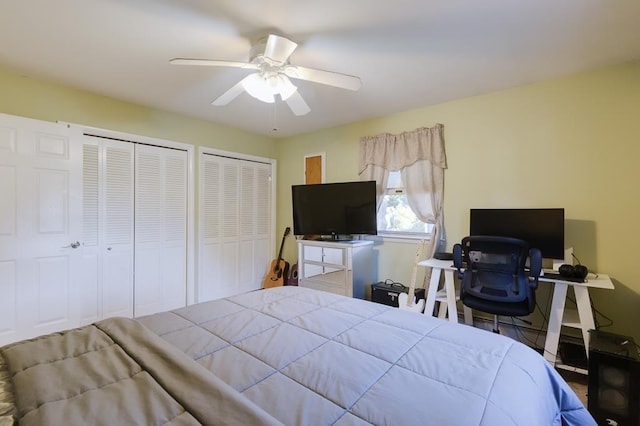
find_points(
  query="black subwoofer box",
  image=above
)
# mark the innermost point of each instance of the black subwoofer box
(614, 379)
(387, 292)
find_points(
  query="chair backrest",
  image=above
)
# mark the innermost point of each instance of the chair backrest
(493, 274)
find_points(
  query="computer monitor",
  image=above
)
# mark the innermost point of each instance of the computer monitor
(542, 228)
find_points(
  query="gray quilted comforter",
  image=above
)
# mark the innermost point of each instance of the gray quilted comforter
(117, 372)
(287, 355)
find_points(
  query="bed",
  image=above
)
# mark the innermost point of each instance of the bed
(285, 355)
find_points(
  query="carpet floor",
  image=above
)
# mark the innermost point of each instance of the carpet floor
(578, 382)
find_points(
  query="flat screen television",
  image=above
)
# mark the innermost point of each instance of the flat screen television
(541, 228)
(335, 210)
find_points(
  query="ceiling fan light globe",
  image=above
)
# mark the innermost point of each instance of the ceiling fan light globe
(257, 87)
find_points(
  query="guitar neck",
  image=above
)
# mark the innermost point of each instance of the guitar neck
(281, 247)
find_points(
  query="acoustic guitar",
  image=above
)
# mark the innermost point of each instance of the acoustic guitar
(279, 270)
(408, 301)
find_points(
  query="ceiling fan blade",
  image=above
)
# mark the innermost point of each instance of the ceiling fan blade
(329, 78)
(278, 49)
(213, 63)
(297, 104)
(230, 94)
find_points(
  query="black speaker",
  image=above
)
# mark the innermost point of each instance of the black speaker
(387, 292)
(614, 379)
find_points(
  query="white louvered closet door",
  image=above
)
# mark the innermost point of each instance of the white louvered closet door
(89, 291)
(135, 208)
(254, 224)
(235, 218)
(108, 226)
(160, 229)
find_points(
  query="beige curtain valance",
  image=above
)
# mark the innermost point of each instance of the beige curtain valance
(394, 152)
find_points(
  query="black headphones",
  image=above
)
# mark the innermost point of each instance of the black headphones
(570, 271)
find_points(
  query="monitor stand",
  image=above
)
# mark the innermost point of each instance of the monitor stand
(568, 259)
(337, 237)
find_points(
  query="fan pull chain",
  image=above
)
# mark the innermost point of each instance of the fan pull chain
(275, 117)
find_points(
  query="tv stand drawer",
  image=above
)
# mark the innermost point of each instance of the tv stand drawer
(344, 268)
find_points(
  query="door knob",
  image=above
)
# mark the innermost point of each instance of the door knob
(73, 245)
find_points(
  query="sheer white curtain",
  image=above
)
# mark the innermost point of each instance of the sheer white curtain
(421, 159)
(380, 175)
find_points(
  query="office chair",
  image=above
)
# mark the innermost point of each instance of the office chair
(493, 275)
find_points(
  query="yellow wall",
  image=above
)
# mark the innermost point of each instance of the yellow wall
(572, 142)
(34, 98)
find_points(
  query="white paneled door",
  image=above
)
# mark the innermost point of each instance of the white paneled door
(40, 227)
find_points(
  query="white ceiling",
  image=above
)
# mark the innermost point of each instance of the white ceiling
(408, 53)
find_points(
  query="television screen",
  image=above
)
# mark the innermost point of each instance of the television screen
(335, 209)
(541, 228)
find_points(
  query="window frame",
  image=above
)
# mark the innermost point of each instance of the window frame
(400, 235)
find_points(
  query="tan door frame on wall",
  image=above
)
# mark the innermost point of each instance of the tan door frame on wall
(314, 168)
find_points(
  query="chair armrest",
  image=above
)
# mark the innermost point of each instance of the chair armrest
(457, 259)
(535, 265)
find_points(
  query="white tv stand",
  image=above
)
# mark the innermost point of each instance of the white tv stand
(340, 267)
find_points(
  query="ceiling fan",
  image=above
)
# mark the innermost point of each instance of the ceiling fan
(270, 59)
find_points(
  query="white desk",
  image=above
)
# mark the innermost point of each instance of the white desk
(448, 296)
(582, 319)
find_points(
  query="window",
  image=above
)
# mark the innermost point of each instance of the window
(395, 217)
